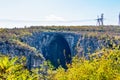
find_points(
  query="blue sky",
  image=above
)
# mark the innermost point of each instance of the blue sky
(20, 13)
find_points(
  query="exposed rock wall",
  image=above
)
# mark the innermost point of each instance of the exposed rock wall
(58, 47)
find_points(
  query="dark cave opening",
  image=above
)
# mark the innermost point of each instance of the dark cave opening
(58, 52)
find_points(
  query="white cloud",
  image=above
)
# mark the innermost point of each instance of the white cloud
(54, 18)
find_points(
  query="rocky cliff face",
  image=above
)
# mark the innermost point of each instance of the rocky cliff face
(55, 46)
(11, 48)
(58, 47)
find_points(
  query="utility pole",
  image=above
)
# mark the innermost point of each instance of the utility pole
(98, 21)
(102, 17)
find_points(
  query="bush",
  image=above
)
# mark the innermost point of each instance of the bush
(14, 69)
(102, 66)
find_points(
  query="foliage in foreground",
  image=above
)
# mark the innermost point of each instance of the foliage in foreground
(14, 69)
(102, 66)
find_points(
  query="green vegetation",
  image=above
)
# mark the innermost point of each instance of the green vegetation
(14, 69)
(102, 65)
(86, 30)
(100, 32)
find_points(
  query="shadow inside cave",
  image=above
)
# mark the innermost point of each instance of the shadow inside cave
(58, 51)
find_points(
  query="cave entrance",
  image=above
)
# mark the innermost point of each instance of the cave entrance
(58, 51)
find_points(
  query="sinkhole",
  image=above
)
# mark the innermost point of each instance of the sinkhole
(58, 51)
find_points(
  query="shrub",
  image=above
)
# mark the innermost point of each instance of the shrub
(14, 69)
(102, 66)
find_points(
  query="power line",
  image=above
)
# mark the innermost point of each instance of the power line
(64, 21)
